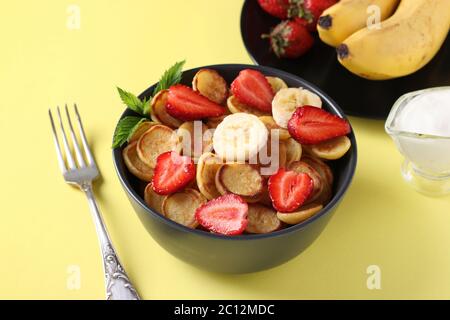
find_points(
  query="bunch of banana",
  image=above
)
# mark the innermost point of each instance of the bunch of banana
(408, 37)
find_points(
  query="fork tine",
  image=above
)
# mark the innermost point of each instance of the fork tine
(87, 150)
(59, 155)
(70, 160)
(76, 146)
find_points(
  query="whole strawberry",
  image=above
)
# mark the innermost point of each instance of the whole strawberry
(307, 12)
(290, 39)
(276, 8)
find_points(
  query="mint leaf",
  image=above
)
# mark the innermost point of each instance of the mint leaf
(136, 126)
(146, 106)
(125, 129)
(131, 101)
(171, 77)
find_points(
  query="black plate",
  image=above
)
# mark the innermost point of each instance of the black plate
(355, 95)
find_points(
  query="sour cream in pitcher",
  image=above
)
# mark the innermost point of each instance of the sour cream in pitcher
(419, 123)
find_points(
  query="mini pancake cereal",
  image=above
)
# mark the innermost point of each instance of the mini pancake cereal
(303, 167)
(326, 176)
(262, 219)
(140, 130)
(228, 154)
(152, 199)
(195, 137)
(156, 140)
(181, 206)
(321, 167)
(135, 165)
(271, 160)
(211, 85)
(293, 151)
(240, 179)
(159, 113)
(207, 167)
(213, 122)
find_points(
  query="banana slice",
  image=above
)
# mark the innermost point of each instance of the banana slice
(303, 213)
(240, 179)
(303, 167)
(181, 206)
(135, 165)
(159, 113)
(270, 124)
(152, 199)
(239, 137)
(331, 149)
(211, 85)
(293, 151)
(237, 107)
(287, 100)
(262, 219)
(195, 138)
(276, 83)
(207, 167)
(156, 140)
(143, 127)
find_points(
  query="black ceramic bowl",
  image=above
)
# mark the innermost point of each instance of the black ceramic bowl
(244, 253)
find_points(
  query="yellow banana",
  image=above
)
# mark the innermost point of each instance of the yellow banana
(402, 44)
(346, 17)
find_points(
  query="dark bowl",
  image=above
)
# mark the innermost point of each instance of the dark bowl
(244, 253)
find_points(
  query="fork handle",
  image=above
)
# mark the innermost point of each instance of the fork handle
(118, 286)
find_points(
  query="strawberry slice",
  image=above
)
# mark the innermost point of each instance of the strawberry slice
(289, 189)
(172, 172)
(186, 104)
(311, 125)
(252, 88)
(225, 215)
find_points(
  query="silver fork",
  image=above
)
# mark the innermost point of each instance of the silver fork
(82, 174)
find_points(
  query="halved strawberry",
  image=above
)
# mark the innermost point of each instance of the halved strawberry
(252, 88)
(172, 172)
(289, 189)
(311, 125)
(186, 104)
(225, 215)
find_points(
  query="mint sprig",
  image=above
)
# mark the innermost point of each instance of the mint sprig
(146, 106)
(128, 125)
(171, 76)
(125, 129)
(131, 101)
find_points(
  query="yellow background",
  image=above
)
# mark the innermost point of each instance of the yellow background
(46, 227)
